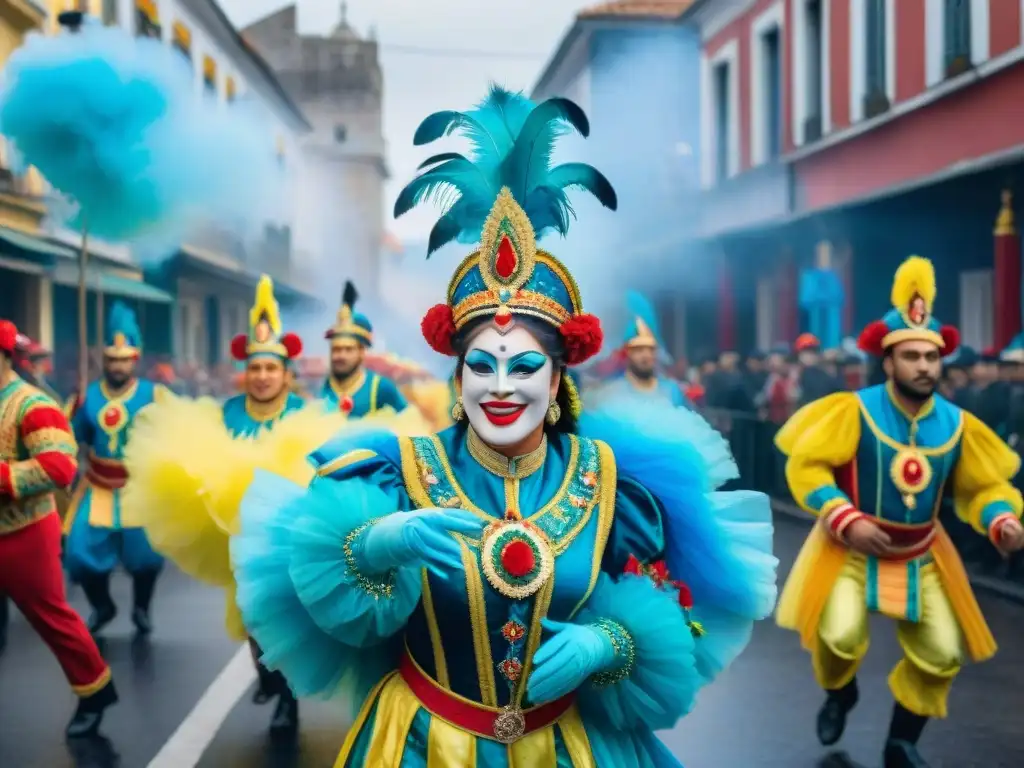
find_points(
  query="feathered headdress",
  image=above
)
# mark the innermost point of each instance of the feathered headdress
(505, 198)
(265, 335)
(910, 319)
(349, 323)
(124, 337)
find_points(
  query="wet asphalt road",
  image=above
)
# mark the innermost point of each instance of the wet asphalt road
(759, 714)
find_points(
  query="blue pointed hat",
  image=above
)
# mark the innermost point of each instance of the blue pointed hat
(349, 323)
(124, 338)
(1014, 352)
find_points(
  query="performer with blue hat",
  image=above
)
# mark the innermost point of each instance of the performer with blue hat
(535, 585)
(875, 467)
(350, 388)
(642, 352)
(100, 534)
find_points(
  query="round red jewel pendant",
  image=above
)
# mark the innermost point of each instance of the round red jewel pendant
(346, 404)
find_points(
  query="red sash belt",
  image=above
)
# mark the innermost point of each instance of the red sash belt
(470, 716)
(908, 541)
(107, 473)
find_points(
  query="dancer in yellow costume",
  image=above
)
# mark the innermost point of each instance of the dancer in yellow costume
(193, 459)
(874, 466)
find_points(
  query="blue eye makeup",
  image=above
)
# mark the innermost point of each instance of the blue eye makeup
(481, 362)
(526, 363)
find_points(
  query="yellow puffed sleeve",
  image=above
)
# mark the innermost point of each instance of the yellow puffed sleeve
(818, 438)
(982, 492)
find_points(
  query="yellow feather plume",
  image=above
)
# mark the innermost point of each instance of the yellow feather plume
(915, 277)
(265, 306)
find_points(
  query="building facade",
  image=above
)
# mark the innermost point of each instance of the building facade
(633, 67)
(867, 130)
(338, 83)
(206, 287)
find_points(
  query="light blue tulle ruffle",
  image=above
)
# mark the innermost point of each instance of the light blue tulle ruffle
(664, 680)
(276, 556)
(720, 544)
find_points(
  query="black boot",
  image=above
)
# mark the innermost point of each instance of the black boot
(904, 733)
(143, 585)
(284, 725)
(87, 718)
(4, 620)
(97, 590)
(832, 715)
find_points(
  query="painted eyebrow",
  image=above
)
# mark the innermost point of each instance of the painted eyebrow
(478, 356)
(531, 357)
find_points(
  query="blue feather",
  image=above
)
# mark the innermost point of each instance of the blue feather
(512, 141)
(122, 320)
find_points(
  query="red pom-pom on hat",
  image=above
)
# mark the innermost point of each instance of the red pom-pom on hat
(583, 337)
(870, 339)
(292, 345)
(8, 336)
(239, 347)
(438, 327)
(950, 338)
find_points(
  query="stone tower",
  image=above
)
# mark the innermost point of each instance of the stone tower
(338, 83)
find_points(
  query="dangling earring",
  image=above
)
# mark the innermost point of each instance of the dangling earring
(458, 412)
(554, 413)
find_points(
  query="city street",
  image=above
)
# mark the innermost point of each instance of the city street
(761, 713)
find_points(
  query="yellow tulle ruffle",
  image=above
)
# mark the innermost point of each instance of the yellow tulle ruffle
(434, 401)
(188, 474)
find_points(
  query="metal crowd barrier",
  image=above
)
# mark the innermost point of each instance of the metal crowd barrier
(762, 467)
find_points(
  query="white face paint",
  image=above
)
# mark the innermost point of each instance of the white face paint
(506, 385)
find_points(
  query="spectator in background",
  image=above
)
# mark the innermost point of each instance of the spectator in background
(756, 374)
(815, 381)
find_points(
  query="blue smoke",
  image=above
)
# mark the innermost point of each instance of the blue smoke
(115, 124)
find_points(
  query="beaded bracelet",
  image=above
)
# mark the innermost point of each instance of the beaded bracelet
(625, 653)
(377, 585)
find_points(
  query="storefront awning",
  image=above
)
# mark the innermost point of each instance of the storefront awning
(111, 284)
(219, 266)
(16, 243)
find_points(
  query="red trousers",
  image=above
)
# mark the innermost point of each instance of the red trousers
(32, 576)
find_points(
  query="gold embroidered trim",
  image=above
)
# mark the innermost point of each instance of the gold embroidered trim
(605, 517)
(345, 460)
(478, 622)
(434, 629)
(517, 468)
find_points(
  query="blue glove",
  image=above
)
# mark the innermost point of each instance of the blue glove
(565, 660)
(421, 537)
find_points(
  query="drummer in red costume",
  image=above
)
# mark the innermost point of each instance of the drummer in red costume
(37, 457)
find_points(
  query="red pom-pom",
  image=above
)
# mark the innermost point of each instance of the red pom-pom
(292, 345)
(8, 336)
(438, 327)
(870, 340)
(518, 559)
(238, 347)
(583, 337)
(951, 339)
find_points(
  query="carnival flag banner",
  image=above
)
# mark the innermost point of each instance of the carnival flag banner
(116, 124)
(822, 297)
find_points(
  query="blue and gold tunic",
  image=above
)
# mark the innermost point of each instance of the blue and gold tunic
(862, 453)
(245, 418)
(369, 392)
(102, 424)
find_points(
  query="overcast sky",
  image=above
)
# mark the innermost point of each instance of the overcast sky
(416, 84)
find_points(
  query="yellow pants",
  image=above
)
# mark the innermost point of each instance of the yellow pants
(933, 648)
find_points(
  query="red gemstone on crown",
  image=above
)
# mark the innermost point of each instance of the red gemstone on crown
(503, 319)
(518, 559)
(507, 261)
(912, 472)
(346, 404)
(111, 416)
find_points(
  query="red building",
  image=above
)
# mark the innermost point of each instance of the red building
(883, 128)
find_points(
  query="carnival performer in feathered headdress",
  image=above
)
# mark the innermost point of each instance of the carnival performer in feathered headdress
(639, 357)
(350, 388)
(874, 466)
(191, 460)
(100, 532)
(535, 584)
